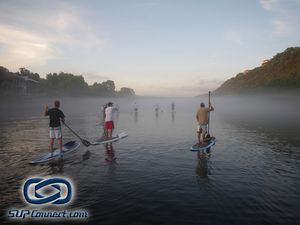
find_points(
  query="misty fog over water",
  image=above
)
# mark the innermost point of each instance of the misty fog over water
(275, 111)
(250, 176)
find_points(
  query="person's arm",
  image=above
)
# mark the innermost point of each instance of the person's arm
(197, 116)
(104, 113)
(46, 113)
(211, 108)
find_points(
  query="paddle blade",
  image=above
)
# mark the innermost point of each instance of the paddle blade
(85, 143)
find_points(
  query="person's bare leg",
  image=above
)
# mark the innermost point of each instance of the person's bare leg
(104, 134)
(109, 133)
(203, 138)
(60, 145)
(199, 134)
(51, 145)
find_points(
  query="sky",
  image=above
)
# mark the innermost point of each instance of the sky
(174, 48)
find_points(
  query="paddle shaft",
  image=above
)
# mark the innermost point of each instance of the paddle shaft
(209, 112)
(81, 139)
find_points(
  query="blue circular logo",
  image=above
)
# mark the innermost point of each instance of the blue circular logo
(40, 191)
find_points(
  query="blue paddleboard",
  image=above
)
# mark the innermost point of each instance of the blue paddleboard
(197, 147)
(104, 140)
(67, 147)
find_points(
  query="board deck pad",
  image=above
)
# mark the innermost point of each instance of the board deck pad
(197, 147)
(67, 147)
(105, 140)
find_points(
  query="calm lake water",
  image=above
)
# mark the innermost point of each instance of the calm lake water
(251, 176)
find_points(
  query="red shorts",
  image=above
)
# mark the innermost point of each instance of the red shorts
(109, 125)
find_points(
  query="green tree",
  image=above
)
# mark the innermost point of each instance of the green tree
(124, 91)
(282, 72)
(23, 72)
(109, 86)
(65, 83)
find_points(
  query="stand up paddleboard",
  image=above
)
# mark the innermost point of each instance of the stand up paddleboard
(105, 140)
(197, 147)
(68, 147)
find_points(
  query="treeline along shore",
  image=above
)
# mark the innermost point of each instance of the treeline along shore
(278, 74)
(25, 82)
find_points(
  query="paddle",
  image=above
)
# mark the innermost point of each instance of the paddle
(209, 113)
(84, 142)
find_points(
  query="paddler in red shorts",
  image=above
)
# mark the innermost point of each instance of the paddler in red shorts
(109, 123)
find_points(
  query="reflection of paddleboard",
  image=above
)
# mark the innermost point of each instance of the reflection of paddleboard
(104, 140)
(68, 147)
(197, 147)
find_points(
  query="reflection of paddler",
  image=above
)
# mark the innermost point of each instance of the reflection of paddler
(156, 109)
(173, 115)
(110, 153)
(202, 167)
(57, 166)
(110, 159)
(173, 111)
(135, 114)
(135, 108)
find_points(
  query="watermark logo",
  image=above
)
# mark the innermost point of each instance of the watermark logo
(43, 194)
(55, 191)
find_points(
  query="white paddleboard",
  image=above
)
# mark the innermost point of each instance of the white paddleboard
(67, 147)
(104, 140)
(197, 147)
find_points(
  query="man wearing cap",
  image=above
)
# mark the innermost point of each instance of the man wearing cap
(202, 118)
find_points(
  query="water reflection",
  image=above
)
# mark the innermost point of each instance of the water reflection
(202, 169)
(136, 114)
(110, 159)
(156, 109)
(246, 161)
(173, 106)
(86, 155)
(173, 116)
(56, 166)
(173, 111)
(110, 153)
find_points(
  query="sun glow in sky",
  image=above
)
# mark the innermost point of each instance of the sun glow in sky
(156, 47)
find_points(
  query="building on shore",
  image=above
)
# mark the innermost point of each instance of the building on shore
(12, 84)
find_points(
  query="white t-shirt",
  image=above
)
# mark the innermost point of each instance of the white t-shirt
(109, 113)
